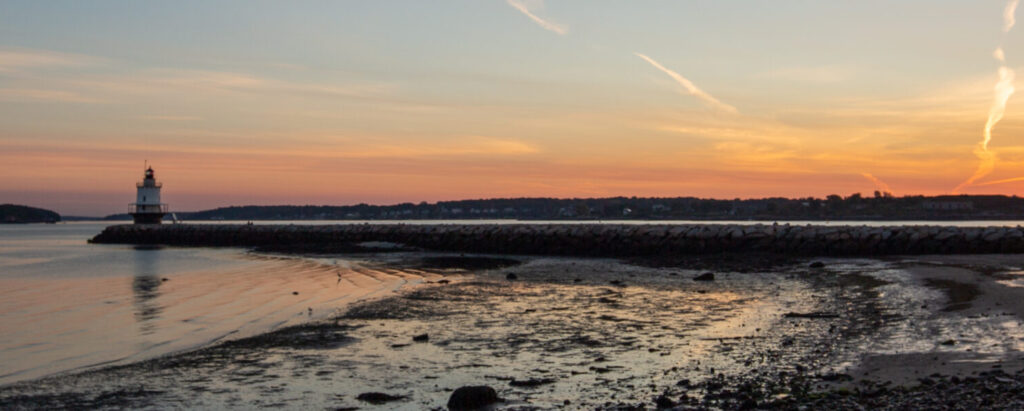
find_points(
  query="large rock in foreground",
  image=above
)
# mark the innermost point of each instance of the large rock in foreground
(472, 398)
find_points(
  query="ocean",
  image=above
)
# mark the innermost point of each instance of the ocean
(68, 305)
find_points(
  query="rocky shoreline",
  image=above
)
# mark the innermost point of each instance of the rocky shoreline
(840, 333)
(604, 240)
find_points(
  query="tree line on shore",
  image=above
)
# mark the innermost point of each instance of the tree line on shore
(880, 206)
(19, 214)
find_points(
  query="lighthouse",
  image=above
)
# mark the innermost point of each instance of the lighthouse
(147, 208)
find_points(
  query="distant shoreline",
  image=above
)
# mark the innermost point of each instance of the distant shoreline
(881, 207)
(20, 214)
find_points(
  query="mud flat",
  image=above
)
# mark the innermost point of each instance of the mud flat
(603, 240)
(937, 332)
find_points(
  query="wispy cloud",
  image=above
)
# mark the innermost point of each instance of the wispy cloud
(811, 74)
(473, 147)
(37, 95)
(1003, 181)
(466, 146)
(158, 117)
(1004, 89)
(881, 185)
(524, 8)
(206, 83)
(688, 85)
(15, 59)
(1008, 15)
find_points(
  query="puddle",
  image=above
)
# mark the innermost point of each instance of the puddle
(959, 295)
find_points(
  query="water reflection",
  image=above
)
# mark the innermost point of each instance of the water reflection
(146, 288)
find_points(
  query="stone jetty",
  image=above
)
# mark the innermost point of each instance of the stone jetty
(590, 239)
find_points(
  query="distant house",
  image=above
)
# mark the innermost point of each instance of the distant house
(948, 205)
(747, 208)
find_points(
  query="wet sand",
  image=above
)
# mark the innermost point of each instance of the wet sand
(975, 324)
(598, 333)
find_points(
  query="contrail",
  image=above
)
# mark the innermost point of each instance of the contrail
(884, 188)
(1008, 15)
(519, 5)
(1004, 181)
(689, 86)
(1003, 90)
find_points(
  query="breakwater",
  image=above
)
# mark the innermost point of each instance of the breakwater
(589, 239)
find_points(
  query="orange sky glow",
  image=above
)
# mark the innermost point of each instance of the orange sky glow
(371, 104)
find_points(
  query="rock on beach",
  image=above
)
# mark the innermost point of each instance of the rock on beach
(472, 398)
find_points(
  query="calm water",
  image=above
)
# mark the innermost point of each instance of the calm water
(66, 304)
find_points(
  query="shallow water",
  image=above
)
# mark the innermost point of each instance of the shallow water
(66, 304)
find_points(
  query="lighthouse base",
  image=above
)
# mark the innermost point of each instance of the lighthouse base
(148, 218)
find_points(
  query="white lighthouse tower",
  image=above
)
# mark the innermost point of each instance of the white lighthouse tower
(147, 208)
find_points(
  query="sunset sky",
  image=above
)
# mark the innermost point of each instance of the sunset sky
(342, 102)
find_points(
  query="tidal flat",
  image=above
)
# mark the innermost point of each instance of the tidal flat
(721, 332)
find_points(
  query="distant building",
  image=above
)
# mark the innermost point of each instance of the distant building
(660, 208)
(147, 208)
(948, 205)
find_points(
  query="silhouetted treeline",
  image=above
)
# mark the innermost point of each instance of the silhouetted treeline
(880, 206)
(14, 214)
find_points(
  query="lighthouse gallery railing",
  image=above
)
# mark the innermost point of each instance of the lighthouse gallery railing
(148, 208)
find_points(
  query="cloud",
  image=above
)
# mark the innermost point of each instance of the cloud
(1004, 89)
(811, 74)
(37, 95)
(154, 80)
(466, 146)
(312, 147)
(1008, 15)
(750, 130)
(1003, 181)
(547, 25)
(691, 89)
(158, 117)
(881, 185)
(18, 59)
(204, 83)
